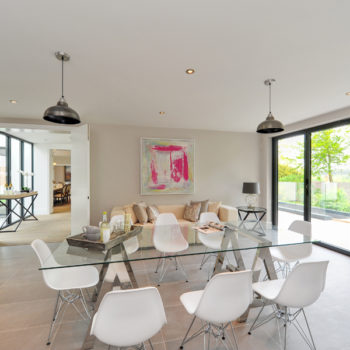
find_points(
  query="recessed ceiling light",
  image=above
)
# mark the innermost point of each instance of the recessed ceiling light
(162, 113)
(190, 71)
(347, 93)
(54, 163)
(13, 101)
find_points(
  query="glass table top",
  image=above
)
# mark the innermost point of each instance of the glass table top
(175, 240)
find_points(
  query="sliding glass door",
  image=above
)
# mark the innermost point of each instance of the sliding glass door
(312, 181)
(290, 180)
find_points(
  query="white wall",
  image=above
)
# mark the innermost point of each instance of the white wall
(223, 161)
(42, 179)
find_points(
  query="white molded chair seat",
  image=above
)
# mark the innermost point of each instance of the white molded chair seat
(64, 280)
(301, 288)
(225, 298)
(168, 240)
(129, 317)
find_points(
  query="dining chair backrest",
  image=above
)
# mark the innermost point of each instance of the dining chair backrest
(298, 251)
(300, 226)
(166, 219)
(208, 217)
(226, 297)
(129, 317)
(304, 284)
(167, 232)
(46, 258)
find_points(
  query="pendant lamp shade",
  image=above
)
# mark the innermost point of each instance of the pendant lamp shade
(61, 113)
(270, 125)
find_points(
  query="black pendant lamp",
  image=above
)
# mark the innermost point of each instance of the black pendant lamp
(270, 125)
(61, 113)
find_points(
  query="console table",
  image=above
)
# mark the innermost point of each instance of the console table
(18, 198)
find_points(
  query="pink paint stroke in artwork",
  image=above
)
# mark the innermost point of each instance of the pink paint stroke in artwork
(159, 187)
(170, 148)
(176, 172)
(185, 167)
(154, 172)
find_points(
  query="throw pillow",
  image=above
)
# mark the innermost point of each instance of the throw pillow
(141, 212)
(204, 205)
(192, 212)
(128, 209)
(153, 213)
(213, 207)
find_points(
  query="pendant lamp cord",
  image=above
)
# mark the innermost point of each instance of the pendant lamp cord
(62, 76)
(270, 97)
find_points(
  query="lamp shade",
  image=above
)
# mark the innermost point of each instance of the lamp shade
(251, 188)
(270, 125)
(61, 114)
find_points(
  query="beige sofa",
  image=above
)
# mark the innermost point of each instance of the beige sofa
(225, 213)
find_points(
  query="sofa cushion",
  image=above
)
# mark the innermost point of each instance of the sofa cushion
(129, 210)
(152, 212)
(204, 205)
(214, 207)
(192, 212)
(141, 212)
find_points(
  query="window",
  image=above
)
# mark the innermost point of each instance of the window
(16, 157)
(312, 181)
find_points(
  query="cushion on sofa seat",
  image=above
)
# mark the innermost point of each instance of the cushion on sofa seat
(214, 207)
(192, 212)
(141, 212)
(129, 210)
(204, 205)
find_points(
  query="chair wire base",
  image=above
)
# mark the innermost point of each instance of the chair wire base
(64, 298)
(218, 332)
(163, 264)
(136, 347)
(288, 318)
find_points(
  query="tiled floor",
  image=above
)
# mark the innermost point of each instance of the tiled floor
(26, 306)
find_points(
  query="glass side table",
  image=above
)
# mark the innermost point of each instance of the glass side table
(258, 212)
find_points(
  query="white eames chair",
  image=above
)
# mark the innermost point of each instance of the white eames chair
(168, 240)
(128, 318)
(68, 281)
(225, 298)
(301, 288)
(131, 245)
(286, 255)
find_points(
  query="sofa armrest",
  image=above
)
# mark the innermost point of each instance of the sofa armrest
(228, 213)
(117, 211)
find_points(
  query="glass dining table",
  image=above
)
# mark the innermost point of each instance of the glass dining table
(116, 262)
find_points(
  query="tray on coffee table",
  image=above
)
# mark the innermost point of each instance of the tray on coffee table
(116, 238)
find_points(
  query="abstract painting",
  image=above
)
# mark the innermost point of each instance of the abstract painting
(167, 166)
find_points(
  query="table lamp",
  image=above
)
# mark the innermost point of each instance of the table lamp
(251, 189)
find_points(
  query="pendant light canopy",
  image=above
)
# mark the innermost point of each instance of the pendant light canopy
(61, 113)
(270, 125)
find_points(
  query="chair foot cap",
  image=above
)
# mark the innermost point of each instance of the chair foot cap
(48, 343)
(223, 338)
(181, 347)
(186, 280)
(250, 333)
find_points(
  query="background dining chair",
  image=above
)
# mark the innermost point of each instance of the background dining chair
(286, 255)
(129, 318)
(301, 288)
(68, 281)
(225, 298)
(168, 240)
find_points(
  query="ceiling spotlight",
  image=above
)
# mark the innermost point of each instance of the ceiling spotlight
(13, 101)
(190, 71)
(162, 113)
(347, 93)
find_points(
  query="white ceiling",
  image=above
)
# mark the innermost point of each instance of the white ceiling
(129, 57)
(41, 136)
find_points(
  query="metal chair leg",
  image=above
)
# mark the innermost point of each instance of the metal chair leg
(188, 331)
(54, 318)
(256, 319)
